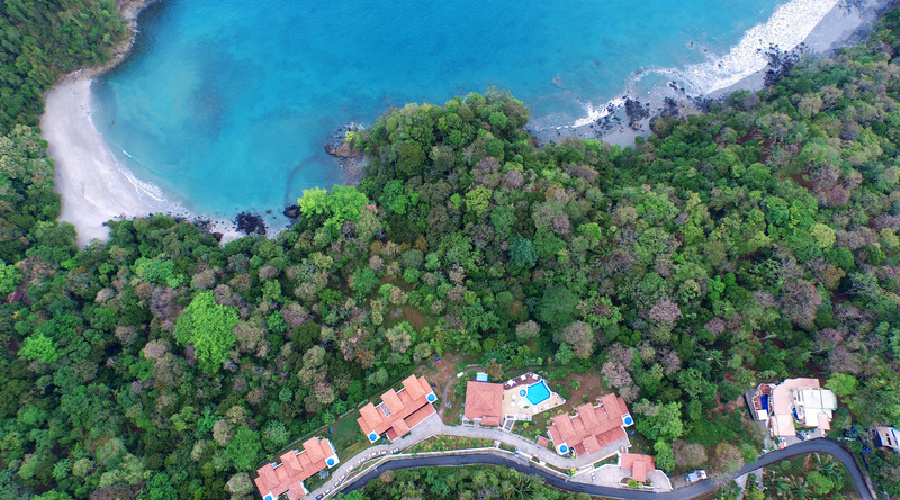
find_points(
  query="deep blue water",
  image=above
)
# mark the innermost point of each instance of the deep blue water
(226, 105)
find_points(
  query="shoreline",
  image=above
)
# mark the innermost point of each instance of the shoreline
(93, 185)
(624, 119)
(96, 188)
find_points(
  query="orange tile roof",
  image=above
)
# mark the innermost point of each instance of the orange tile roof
(414, 388)
(419, 415)
(490, 421)
(297, 490)
(592, 427)
(392, 416)
(484, 401)
(639, 465)
(391, 434)
(639, 472)
(392, 401)
(295, 467)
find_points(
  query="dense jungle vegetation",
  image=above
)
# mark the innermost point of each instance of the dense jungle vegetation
(750, 243)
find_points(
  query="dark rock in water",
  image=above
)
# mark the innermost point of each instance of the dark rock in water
(250, 223)
(292, 211)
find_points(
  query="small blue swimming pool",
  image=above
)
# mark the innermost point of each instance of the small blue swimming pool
(267, 497)
(329, 462)
(627, 420)
(563, 449)
(538, 392)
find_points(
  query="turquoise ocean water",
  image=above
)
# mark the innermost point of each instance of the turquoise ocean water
(225, 105)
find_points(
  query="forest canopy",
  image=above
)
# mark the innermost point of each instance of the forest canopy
(747, 244)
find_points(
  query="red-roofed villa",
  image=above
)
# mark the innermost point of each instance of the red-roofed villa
(592, 427)
(287, 477)
(399, 411)
(639, 465)
(484, 402)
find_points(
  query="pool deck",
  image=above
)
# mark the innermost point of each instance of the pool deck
(519, 406)
(522, 380)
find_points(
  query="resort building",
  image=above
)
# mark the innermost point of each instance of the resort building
(886, 438)
(484, 402)
(639, 465)
(399, 411)
(758, 401)
(276, 479)
(798, 402)
(592, 428)
(519, 398)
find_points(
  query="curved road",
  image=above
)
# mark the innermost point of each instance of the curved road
(821, 445)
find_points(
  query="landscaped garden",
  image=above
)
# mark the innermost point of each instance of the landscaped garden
(449, 443)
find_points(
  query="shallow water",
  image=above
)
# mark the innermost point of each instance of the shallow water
(226, 105)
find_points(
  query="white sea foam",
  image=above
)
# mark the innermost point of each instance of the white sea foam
(594, 114)
(144, 188)
(789, 25)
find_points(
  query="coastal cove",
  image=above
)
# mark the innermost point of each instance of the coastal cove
(664, 292)
(190, 126)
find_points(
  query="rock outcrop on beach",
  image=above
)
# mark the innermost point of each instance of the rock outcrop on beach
(352, 157)
(781, 62)
(250, 223)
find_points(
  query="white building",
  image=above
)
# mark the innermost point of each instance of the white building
(800, 402)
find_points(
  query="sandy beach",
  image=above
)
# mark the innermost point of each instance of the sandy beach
(93, 187)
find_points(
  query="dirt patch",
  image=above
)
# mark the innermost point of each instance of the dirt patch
(589, 384)
(415, 317)
(442, 374)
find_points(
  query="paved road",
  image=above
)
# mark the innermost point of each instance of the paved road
(433, 426)
(695, 490)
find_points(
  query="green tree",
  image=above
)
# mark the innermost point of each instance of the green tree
(522, 252)
(478, 200)
(659, 421)
(557, 307)
(665, 457)
(820, 483)
(564, 354)
(207, 326)
(843, 384)
(274, 436)
(824, 235)
(9, 278)
(341, 204)
(244, 449)
(40, 347)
